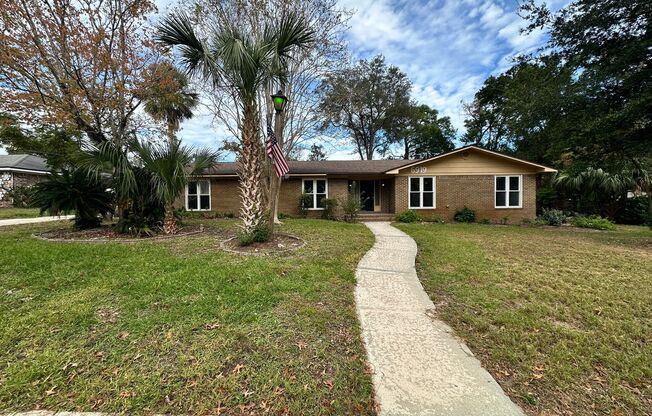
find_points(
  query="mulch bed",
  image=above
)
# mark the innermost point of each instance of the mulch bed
(106, 233)
(279, 243)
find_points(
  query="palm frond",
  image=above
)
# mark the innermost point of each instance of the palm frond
(176, 30)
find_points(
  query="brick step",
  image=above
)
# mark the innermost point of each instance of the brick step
(373, 216)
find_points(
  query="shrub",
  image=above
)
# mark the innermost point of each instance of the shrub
(595, 222)
(283, 216)
(21, 196)
(304, 203)
(351, 207)
(260, 234)
(485, 221)
(546, 197)
(408, 216)
(552, 217)
(329, 204)
(74, 191)
(438, 219)
(635, 212)
(465, 214)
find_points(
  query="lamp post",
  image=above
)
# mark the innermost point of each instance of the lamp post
(279, 100)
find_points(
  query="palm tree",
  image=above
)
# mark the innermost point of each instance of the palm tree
(167, 97)
(244, 63)
(170, 166)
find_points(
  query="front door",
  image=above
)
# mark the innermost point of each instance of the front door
(367, 195)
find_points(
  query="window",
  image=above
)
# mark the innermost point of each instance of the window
(508, 191)
(318, 190)
(422, 192)
(198, 196)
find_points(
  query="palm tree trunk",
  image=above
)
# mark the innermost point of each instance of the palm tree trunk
(251, 191)
(169, 222)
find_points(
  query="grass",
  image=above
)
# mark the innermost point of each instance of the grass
(561, 318)
(179, 327)
(8, 213)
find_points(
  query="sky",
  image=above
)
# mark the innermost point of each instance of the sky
(446, 47)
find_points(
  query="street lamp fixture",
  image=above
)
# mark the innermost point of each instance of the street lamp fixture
(279, 100)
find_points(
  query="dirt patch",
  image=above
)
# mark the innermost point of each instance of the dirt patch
(279, 243)
(108, 234)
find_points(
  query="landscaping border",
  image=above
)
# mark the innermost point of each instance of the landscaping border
(39, 236)
(223, 246)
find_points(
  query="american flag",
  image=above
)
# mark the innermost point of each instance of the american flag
(276, 154)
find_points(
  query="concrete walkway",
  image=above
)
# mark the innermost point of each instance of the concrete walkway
(419, 367)
(18, 221)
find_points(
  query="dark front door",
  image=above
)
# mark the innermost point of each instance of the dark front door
(367, 195)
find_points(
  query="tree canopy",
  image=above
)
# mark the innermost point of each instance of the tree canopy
(364, 101)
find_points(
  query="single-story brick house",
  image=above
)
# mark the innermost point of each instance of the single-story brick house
(18, 171)
(493, 184)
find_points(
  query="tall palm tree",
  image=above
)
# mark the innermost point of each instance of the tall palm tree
(167, 97)
(170, 166)
(243, 63)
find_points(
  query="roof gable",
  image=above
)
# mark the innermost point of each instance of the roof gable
(471, 160)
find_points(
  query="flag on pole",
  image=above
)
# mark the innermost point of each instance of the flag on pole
(276, 154)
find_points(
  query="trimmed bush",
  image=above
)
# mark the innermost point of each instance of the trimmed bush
(465, 214)
(329, 205)
(552, 217)
(595, 222)
(408, 216)
(304, 202)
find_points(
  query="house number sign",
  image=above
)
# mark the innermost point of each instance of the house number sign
(419, 169)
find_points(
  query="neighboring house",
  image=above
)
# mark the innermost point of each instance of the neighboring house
(17, 171)
(494, 185)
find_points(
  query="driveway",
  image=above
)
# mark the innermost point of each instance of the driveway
(419, 366)
(18, 221)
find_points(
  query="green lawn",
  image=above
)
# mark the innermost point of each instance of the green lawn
(561, 318)
(7, 213)
(180, 327)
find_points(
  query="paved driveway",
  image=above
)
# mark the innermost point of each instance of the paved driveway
(419, 366)
(18, 221)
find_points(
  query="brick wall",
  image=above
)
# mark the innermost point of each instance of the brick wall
(473, 191)
(12, 180)
(225, 196)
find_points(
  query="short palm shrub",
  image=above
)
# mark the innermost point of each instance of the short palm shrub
(408, 216)
(595, 222)
(552, 217)
(260, 234)
(74, 191)
(329, 205)
(21, 196)
(351, 207)
(465, 214)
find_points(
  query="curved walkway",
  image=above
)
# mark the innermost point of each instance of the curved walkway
(419, 367)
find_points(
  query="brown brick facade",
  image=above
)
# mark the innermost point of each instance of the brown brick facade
(453, 192)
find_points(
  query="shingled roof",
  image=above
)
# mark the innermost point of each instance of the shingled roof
(23, 162)
(323, 167)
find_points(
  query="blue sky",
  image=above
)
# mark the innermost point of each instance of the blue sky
(446, 47)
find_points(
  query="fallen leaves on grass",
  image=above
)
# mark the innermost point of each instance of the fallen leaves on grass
(237, 368)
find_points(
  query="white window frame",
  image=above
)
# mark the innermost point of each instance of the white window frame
(315, 203)
(210, 198)
(507, 191)
(434, 192)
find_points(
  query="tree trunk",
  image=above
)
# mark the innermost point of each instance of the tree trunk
(251, 191)
(169, 222)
